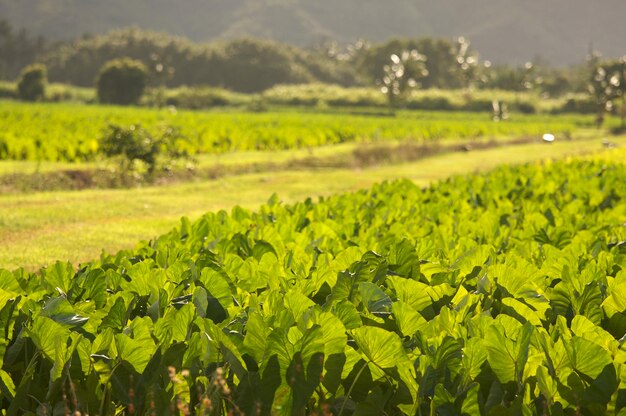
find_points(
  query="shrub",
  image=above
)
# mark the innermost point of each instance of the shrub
(32, 83)
(133, 145)
(122, 81)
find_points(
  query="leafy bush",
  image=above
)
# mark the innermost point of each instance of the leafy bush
(122, 81)
(134, 146)
(32, 83)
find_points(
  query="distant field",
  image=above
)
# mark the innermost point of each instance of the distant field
(70, 132)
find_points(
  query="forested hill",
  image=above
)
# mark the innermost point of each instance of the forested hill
(503, 30)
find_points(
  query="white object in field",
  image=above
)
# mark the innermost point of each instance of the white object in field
(548, 137)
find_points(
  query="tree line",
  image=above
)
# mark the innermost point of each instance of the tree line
(252, 65)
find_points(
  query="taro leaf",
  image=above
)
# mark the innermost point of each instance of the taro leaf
(95, 286)
(175, 325)
(55, 341)
(470, 262)
(520, 311)
(348, 314)
(250, 276)
(303, 374)
(9, 305)
(584, 328)
(347, 282)
(218, 286)
(474, 355)
(103, 342)
(381, 347)
(83, 352)
(403, 259)
(506, 357)
(62, 354)
(616, 301)
(470, 404)
(302, 383)
(157, 309)
(117, 317)
(227, 347)
(7, 387)
(328, 272)
(587, 357)
(443, 402)
(58, 277)
(255, 340)
(447, 356)
(270, 269)
(261, 248)
(373, 298)
(409, 321)
(198, 349)
(333, 332)
(144, 280)
(270, 381)
(46, 333)
(547, 385)
(333, 365)
(311, 344)
(207, 306)
(185, 228)
(59, 310)
(411, 292)
(137, 353)
(297, 303)
(8, 282)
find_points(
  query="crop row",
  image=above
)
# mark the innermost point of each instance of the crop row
(64, 132)
(501, 293)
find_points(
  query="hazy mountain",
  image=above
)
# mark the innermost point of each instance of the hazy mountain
(502, 30)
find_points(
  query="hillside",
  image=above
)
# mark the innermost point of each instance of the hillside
(502, 30)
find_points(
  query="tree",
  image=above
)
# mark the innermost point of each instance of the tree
(441, 61)
(607, 85)
(32, 83)
(467, 62)
(17, 50)
(122, 81)
(396, 81)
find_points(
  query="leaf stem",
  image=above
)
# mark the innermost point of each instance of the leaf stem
(343, 405)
